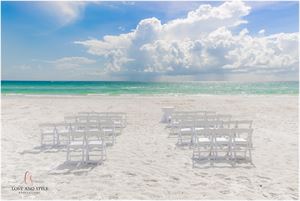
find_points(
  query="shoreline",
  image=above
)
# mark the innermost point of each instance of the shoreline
(145, 95)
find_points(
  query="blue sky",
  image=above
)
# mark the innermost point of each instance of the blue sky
(64, 41)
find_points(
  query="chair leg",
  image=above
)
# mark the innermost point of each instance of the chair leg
(58, 140)
(68, 153)
(105, 155)
(211, 158)
(53, 139)
(234, 156)
(102, 154)
(42, 140)
(250, 156)
(82, 153)
(87, 157)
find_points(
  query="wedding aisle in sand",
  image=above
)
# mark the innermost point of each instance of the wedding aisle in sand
(145, 162)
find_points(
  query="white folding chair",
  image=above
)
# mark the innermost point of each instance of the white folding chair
(108, 129)
(242, 143)
(174, 124)
(62, 133)
(95, 146)
(77, 142)
(202, 147)
(48, 134)
(186, 132)
(222, 144)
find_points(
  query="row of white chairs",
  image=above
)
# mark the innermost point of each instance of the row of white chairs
(176, 119)
(194, 126)
(90, 140)
(223, 144)
(82, 136)
(119, 119)
(180, 115)
(212, 133)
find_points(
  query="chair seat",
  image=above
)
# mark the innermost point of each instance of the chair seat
(185, 129)
(222, 139)
(107, 130)
(80, 130)
(76, 143)
(240, 140)
(63, 131)
(203, 140)
(95, 143)
(94, 130)
(48, 132)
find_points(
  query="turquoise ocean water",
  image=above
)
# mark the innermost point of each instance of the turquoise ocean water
(147, 88)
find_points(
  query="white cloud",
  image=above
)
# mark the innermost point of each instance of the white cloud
(262, 32)
(71, 62)
(202, 42)
(65, 12)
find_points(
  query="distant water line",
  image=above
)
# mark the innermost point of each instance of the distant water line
(147, 88)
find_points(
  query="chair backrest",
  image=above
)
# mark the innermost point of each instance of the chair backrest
(203, 133)
(244, 124)
(70, 119)
(210, 113)
(47, 127)
(77, 135)
(207, 124)
(63, 127)
(237, 124)
(187, 124)
(211, 117)
(243, 132)
(92, 126)
(222, 132)
(82, 119)
(93, 133)
(84, 113)
(106, 123)
(223, 117)
(81, 127)
(93, 119)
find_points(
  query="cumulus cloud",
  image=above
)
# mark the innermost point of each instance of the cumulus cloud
(71, 62)
(202, 42)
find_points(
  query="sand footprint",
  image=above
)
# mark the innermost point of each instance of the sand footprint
(221, 176)
(201, 184)
(225, 192)
(130, 174)
(106, 176)
(150, 180)
(175, 178)
(262, 177)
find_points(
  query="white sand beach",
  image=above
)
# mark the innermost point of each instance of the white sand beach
(145, 163)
